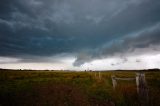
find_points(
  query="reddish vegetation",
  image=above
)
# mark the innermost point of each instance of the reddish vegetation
(61, 94)
(74, 89)
(55, 95)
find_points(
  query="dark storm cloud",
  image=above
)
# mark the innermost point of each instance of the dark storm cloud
(90, 29)
(124, 46)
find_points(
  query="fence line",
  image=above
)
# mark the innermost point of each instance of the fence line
(142, 88)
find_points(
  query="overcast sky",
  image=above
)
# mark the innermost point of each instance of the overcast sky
(80, 34)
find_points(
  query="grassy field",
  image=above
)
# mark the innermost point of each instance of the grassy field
(44, 88)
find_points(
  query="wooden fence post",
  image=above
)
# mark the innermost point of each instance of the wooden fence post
(143, 90)
(95, 74)
(137, 81)
(114, 82)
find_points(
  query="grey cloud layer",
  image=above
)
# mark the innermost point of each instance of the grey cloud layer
(148, 38)
(50, 27)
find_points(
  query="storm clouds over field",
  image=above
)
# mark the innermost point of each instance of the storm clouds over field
(77, 34)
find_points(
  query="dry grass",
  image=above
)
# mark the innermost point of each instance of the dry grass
(41, 88)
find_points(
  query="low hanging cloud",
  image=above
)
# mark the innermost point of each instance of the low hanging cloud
(148, 39)
(37, 30)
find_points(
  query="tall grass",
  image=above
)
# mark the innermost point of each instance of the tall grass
(42, 88)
